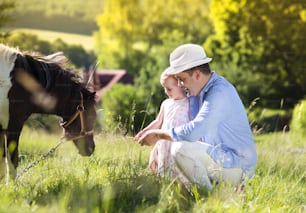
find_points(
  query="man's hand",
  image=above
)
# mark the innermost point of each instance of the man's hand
(152, 136)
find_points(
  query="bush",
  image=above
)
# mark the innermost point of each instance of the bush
(298, 122)
(124, 110)
(264, 120)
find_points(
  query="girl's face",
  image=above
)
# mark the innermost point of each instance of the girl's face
(172, 89)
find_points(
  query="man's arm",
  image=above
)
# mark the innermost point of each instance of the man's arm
(205, 123)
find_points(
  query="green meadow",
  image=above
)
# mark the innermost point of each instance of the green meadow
(86, 41)
(116, 179)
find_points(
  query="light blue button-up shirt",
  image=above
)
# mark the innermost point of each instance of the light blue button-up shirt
(223, 124)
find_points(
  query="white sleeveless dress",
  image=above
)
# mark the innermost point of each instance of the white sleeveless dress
(176, 113)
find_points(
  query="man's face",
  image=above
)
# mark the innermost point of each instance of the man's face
(189, 81)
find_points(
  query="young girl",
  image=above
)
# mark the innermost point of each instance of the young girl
(174, 111)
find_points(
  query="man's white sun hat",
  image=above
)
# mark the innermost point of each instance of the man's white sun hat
(185, 57)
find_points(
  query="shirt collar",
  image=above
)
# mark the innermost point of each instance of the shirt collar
(209, 84)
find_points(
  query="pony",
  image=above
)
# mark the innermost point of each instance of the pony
(34, 83)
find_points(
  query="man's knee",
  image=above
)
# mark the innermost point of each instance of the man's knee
(176, 149)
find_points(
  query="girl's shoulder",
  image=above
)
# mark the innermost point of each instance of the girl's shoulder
(172, 101)
(167, 102)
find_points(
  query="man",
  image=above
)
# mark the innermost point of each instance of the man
(226, 150)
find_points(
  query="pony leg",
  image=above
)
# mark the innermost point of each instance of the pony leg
(13, 153)
(7, 169)
(13, 135)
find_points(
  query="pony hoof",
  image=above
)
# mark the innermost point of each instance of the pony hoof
(7, 169)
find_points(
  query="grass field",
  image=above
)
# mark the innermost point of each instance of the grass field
(86, 41)
(115, 179)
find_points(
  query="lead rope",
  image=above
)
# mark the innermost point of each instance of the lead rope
(44, 156)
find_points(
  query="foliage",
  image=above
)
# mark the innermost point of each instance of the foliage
(6, 7)
(123, 109)
(28, 42)
(253, 45)
(77, 55)
(265, 38)
(142, 25)
(116, 179)
(298, 122)
(263, 120)
(137, 36)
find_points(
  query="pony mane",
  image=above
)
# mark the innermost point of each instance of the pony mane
(49, 69)
(57, 58)
(52, 66)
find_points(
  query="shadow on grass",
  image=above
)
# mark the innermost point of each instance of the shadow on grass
(144, 193)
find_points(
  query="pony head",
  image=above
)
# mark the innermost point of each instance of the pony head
(80, 126)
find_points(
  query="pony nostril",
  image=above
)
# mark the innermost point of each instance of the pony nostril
(92, 149)
(85, 145)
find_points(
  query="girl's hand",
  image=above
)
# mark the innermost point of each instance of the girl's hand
(138, 135)
(152, 136)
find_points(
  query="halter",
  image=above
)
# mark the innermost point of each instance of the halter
(79, 112)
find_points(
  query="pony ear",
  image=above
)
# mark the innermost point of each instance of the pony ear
(92, 96)
(91, 74)
(89, 93)
(90, 78)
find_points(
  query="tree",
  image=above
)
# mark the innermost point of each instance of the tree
(126, 27)
(6, 7)
(29, 42)
(266, 39)
(76, 53)
(138, 36)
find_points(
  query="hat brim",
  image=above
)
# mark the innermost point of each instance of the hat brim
(177, 69)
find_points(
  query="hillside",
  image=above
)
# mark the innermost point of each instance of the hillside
(76, 16)
(86, 41)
